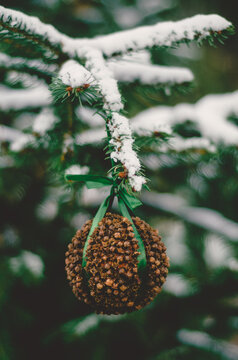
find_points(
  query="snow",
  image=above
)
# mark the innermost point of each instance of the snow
(47, 210)
(68, 143)
(178, 285)
(32, 25)
(104, 76)
(210, 115)
(29, 261)
(175, 233)
(160, 34)
(92, 137)
(8, 134)
(6, 162)
(77, 170)
(141, 57)
(90, 322)
(89, 116)
(217, 251)
(8, 62)
(118, 125)
(123, 151)
(44, 121)
(203, 340)
(126, 71)
(92, 50)
(11, 99)
(73, 74)
(22, 142)
(180, 144)
(205, 218)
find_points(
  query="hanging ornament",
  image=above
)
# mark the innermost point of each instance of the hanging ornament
(115, 263)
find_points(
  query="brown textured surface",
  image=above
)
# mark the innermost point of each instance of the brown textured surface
(114, 285)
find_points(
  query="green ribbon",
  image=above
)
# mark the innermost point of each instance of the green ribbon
(126, 204)
(97, 218)
(91, 181)
(142, 256)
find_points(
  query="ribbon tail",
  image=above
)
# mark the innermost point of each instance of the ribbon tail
(97, 218)
(142, 256)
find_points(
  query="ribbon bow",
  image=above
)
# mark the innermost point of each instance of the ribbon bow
(127, 203)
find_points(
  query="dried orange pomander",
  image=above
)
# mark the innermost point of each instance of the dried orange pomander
(114, 284)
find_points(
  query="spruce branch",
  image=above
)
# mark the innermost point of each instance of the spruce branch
(32, 67)
(166, 34)
(20, 26)
(120, 141)
(148, 74)
(74, 82)
(19, 99)
(210, 115)
(96, 82)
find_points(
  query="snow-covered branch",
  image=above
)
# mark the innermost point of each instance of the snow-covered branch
(202, 340)
(161, 34)
(165, 34)
(207, 219)
(210, 115)
(44, 121)
(126, 71)
(118, 125)
(18, 99)
(73, 74)
(34, 67)
(8, 134)
(31, 28)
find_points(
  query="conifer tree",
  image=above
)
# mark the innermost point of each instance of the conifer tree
(69, 120)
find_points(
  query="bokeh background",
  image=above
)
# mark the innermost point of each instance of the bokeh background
(196, 315)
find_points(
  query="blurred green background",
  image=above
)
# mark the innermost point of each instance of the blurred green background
(196, 315)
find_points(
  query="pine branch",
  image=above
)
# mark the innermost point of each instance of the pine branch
(205, 218)
(167, 34)
(210, 115)
(74, 82)
(20, 26)
(32, 67)
(12, 99)
(120, 141)
(148, 74)
(202, 340)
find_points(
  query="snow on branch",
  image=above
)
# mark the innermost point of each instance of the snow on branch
(31, 28)
(210, 114)
(118, 125)
(179, 144)
(12, 99)
(89, 116)
(44, 121)
(9, 134)
(36, 67)
(77, 170)
(162, 34)
(73, 74)
(126, 71)
(202, 340)
(205, 218)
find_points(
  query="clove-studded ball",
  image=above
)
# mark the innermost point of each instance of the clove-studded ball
(111, 281)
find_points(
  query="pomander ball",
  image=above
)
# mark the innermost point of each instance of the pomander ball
(110, 281)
